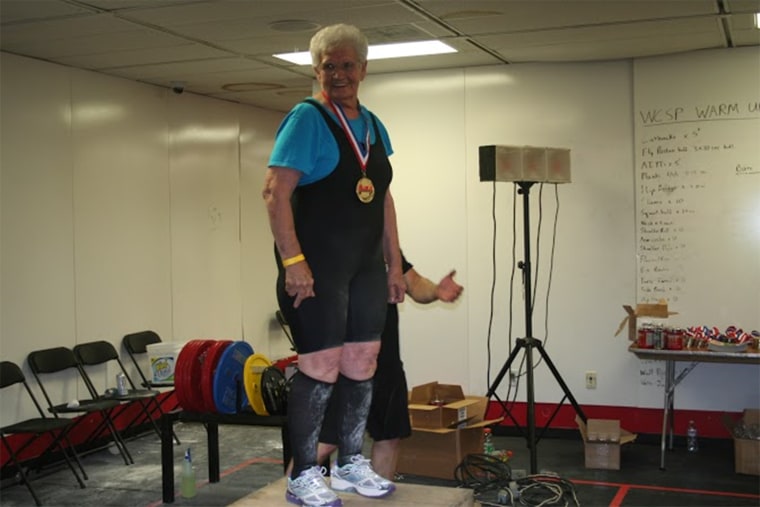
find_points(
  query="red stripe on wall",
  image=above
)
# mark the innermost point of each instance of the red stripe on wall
(633, 419)
(80, 433)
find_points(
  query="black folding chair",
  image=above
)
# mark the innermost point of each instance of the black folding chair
(98, 354)
(37, 427)
(59, 361)
(136, 345)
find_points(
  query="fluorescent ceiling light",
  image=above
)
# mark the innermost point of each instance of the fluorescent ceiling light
(381, 51)
(404, 49)
(757, 20)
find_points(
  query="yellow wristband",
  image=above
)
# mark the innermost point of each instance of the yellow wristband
(293, 260)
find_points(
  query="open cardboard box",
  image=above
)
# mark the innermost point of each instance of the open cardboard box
(442, 433)
(658, 310)
(746, 450)
(435, 406)
(602, 439)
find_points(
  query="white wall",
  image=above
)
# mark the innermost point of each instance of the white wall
(437, 120)
(126, 207)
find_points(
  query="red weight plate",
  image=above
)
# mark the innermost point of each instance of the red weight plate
(207, 373)
(184, 374)
(180, 390)
(228, 378)
(184, 381)
(194, 374)
(282, 364)
(181, 386)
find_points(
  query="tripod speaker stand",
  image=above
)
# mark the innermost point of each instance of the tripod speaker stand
(529, 343)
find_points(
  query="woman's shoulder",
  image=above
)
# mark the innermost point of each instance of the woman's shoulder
(366, 112)
(371, 116)
(302, 116)
(306, 108)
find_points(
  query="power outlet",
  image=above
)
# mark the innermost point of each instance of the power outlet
(590, 380)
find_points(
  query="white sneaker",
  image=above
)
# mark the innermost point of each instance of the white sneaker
(358, 477)
(310, 489)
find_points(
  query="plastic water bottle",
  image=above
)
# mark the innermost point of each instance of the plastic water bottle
(692, 445)
(187, 486)
(487, 441)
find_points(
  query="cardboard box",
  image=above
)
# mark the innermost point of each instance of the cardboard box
(602, 440)
(435, 405)
(658, 310)
(746, 450)
(450, 431)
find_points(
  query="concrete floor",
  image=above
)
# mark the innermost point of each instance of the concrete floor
(251, 460)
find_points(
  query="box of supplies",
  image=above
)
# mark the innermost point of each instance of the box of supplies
(447, 425)
(746, 435)
(602, 440)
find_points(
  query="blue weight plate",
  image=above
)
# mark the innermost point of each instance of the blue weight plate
(228, 378)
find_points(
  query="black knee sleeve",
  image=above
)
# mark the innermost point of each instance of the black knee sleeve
(353, 399)
(306, 409)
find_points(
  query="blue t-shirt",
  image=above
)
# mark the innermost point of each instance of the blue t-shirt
(304, 141)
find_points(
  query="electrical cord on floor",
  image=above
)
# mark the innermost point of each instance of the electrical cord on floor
(491, 480)
(483, 473)
(547, 489)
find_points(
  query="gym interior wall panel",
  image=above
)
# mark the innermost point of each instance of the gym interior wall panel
(36, 244)
(258, 272)
(70, 269)
(121, 208)
(588, 272)
(448, 219)
(205, 235)
(424, 113)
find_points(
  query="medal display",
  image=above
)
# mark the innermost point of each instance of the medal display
(365, 190)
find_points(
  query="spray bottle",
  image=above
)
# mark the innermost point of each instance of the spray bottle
(187, 487)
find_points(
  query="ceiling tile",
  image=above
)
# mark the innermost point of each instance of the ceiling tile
(213, 43)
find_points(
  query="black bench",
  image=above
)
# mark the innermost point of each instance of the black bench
(212, 422)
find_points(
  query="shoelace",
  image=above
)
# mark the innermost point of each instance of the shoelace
(363, 468)
(314, 475)
(361, 463)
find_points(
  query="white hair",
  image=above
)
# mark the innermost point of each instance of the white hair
(335, 36)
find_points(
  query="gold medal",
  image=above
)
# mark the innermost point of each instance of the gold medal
(365, 190)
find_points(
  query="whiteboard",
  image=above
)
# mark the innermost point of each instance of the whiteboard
(697, 155)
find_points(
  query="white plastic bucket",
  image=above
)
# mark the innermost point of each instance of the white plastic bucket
(163, 358)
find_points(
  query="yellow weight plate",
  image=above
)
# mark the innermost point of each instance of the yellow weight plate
(254, 367)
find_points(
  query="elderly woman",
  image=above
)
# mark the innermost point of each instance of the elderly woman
(336, 244)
